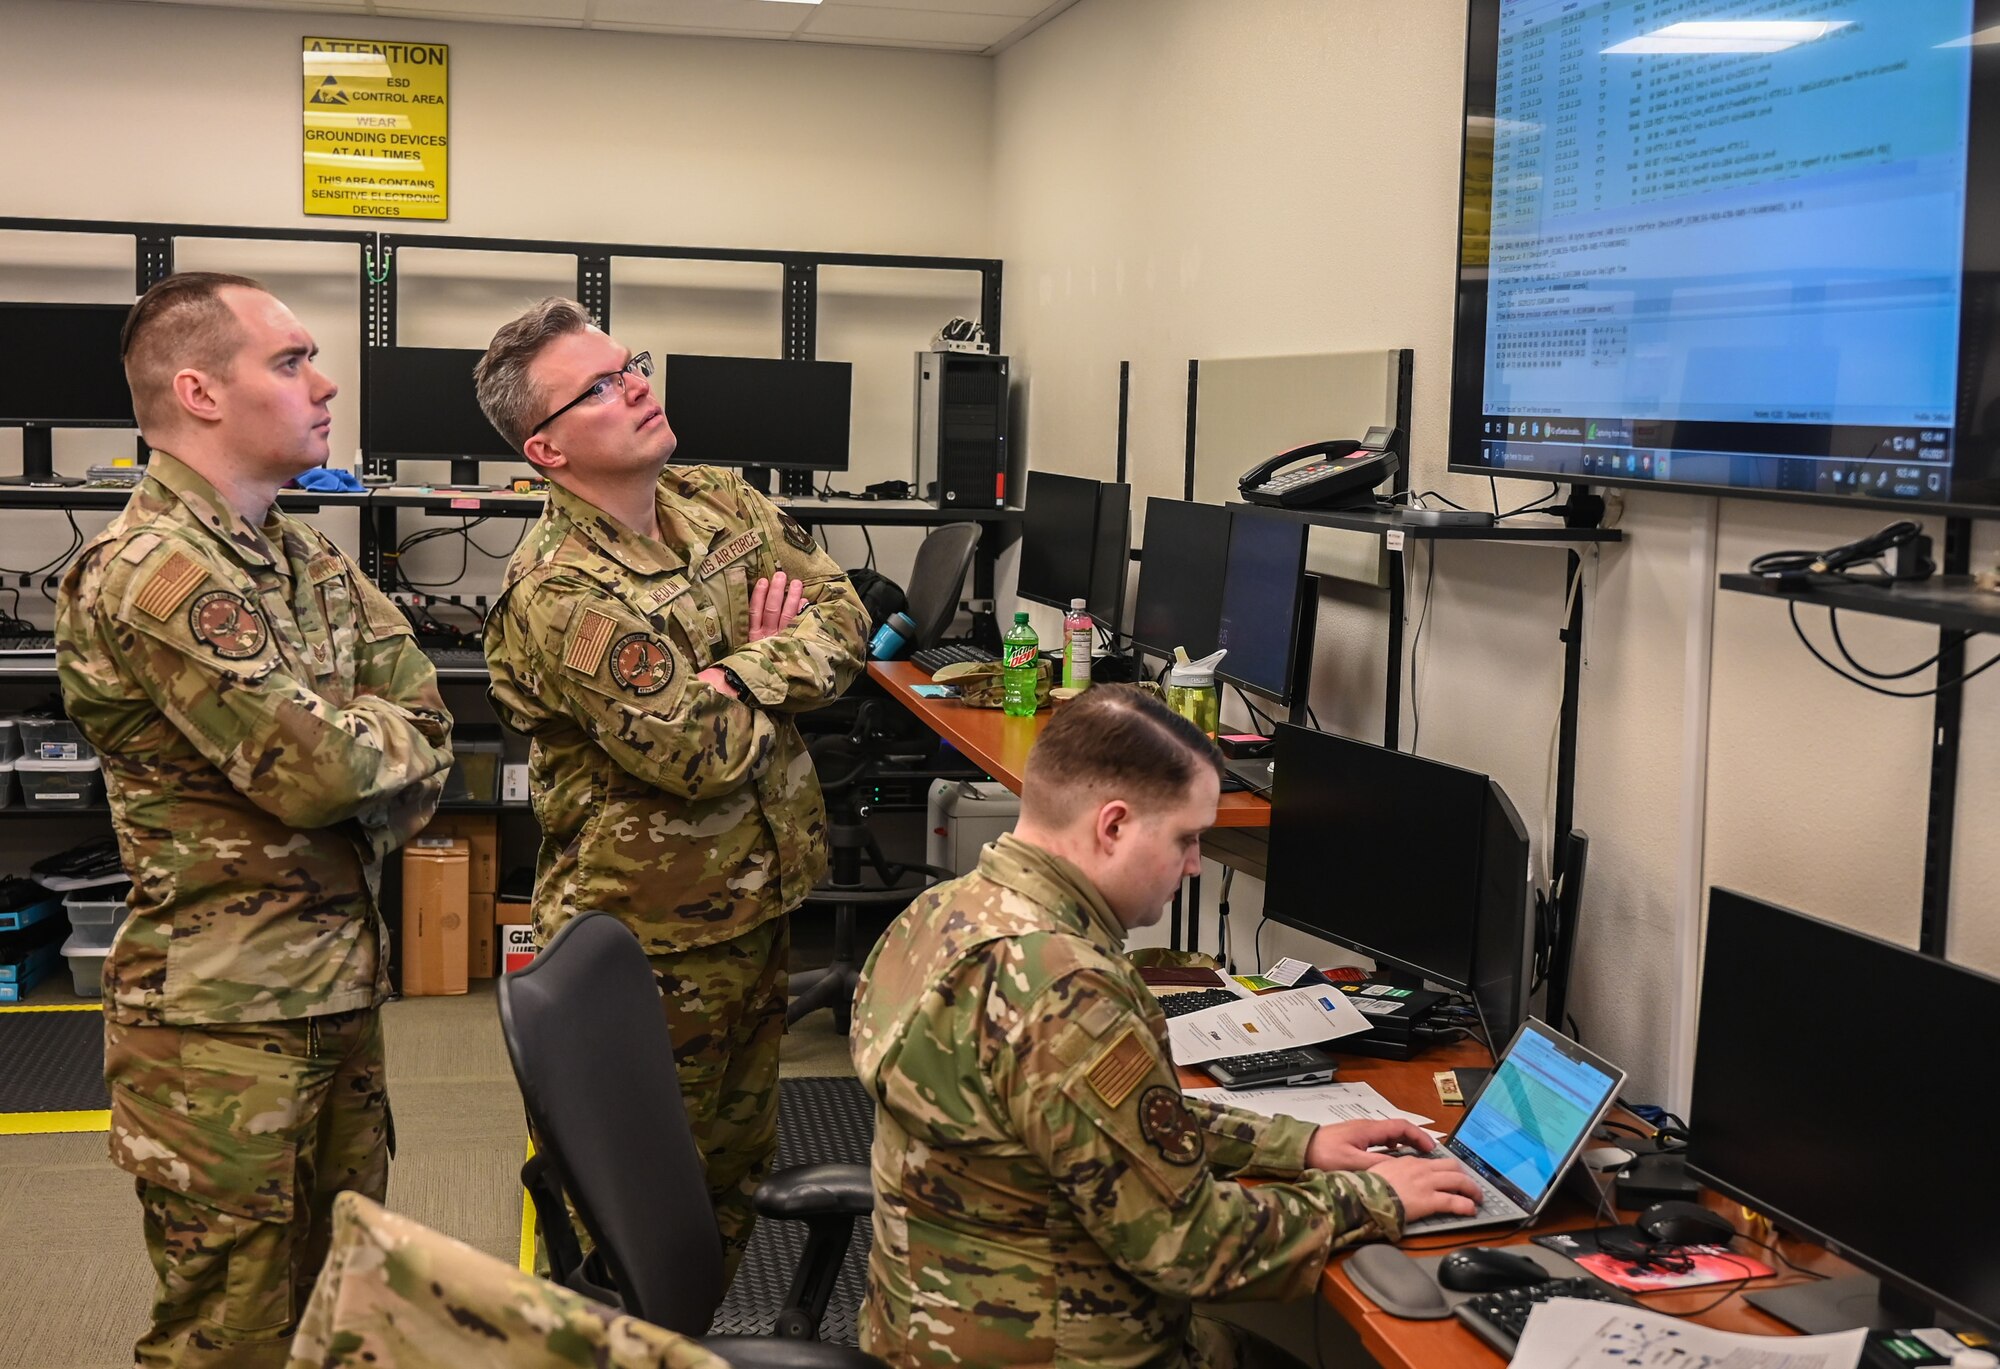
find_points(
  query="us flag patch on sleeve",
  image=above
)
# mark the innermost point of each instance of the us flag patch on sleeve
(170, 586)
(589, 640)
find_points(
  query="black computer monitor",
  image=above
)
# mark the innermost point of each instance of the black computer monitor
(1840, 1088)
(1262, 602)
(1111, 555)
(758, 411)
(1180, 577)
(62, 370)
(1060, 553)
(1418, 865)
(422, 407)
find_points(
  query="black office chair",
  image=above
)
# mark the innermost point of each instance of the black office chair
(879, 737)
(595, 1061)
(937, 579)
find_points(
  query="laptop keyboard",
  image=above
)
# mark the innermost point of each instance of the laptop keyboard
(932, 659)
(456, 657)
(28, 644)
(1493, 1204)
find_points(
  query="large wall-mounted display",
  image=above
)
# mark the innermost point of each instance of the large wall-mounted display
(1709, 247)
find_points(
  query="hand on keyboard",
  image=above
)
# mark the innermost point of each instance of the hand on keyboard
(1429, 1189)
(1345, 1145)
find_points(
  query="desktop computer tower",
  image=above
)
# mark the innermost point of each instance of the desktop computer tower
(961, 457)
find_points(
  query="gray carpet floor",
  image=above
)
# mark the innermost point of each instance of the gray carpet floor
(74, 1282)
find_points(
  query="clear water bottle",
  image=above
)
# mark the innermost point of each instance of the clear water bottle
(1019, 669)
(1079, 640)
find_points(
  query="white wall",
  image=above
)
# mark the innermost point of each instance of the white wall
(1177, 179)
(191, 115)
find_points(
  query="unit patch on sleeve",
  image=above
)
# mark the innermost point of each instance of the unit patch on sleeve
(642, 663)
(226, 625)
(169, 586)
(1119, 1067)
(1165, 1121)
(795, 532)
(588, 639)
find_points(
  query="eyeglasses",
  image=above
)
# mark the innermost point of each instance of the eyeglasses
(603, 389)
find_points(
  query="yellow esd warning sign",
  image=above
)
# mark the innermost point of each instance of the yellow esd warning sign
(377, 128)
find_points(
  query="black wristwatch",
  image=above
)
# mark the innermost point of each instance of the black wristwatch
(735, 682)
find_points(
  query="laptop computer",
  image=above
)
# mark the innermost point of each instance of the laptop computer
(1253, 775)
(1543, 1100)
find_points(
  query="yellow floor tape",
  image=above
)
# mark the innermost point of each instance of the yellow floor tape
(527, 1255)
(55, 1007)
(44, 1123)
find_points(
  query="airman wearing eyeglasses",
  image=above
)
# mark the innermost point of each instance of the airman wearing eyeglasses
(659, 627)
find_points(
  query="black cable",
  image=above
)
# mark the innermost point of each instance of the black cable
(1257, 941)
(1313, 718)
(76, 545)
(1262, 719)
(871, 546)
(1416, 705)
(1533, 505)
(1933, 692)
(1833, 621)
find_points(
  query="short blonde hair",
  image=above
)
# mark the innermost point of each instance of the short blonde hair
(508, 396)
(182, 323)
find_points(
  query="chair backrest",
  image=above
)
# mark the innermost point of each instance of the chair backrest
(595, 1060)
(938, 578)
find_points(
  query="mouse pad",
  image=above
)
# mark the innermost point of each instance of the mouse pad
(1707, 1263)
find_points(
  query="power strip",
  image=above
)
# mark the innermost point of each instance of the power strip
(1447, 518)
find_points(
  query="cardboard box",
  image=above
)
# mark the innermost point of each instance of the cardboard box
(435, 909)
(514, 920)
(481, 833)
(482, 938)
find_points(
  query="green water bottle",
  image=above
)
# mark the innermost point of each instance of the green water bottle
(1019, 669)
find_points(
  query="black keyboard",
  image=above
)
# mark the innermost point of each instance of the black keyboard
(932, 659)
(1273, 1067)
(456, 657)
(1500, 1318)
(1181, 1004)
(28, 644)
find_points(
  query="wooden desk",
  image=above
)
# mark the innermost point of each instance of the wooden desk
(1401, 1344)
(999, 744)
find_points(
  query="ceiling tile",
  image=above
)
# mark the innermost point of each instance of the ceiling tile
(925, 26)
(909, 44)
(507, 11)
(756, 17)
(1019, 9)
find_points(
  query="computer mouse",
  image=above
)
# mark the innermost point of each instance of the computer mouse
(1484, 1270)
(1675, 1222)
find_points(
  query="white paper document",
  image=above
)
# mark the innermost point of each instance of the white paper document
(1269, 1022)
(1288, 971)
(1319, 1104)
(1570, 1333)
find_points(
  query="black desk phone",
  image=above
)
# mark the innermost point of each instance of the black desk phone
(1337, 473)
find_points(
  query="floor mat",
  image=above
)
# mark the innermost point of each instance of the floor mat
(819, 1120)
(54, 1060)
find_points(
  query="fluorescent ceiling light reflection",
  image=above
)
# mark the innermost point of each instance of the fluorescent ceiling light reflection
(1975, 40)
(1729, 36)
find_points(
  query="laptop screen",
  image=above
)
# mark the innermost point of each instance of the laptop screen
(1534, 1112)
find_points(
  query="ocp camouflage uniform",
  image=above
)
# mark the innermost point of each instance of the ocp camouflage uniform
(397, 1295)
(694, 818)
(1044, 1194)
(269, 731)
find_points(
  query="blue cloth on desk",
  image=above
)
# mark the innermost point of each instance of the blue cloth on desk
(323, 481)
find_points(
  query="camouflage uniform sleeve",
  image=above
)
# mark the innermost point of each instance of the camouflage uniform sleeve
(628, 686)
(1248, 1145)
(207, 659)
(396, 1295)
(812, 662)
(1104, 1113)
(390, 665)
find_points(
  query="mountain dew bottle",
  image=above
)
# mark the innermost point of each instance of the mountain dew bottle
(1018, 669)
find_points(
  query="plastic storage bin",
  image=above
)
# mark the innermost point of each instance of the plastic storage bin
(10, 739)
(53, 739)
(7, 789)
(95, 914)
(60, 784)
(86, 966)
(475, 767)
